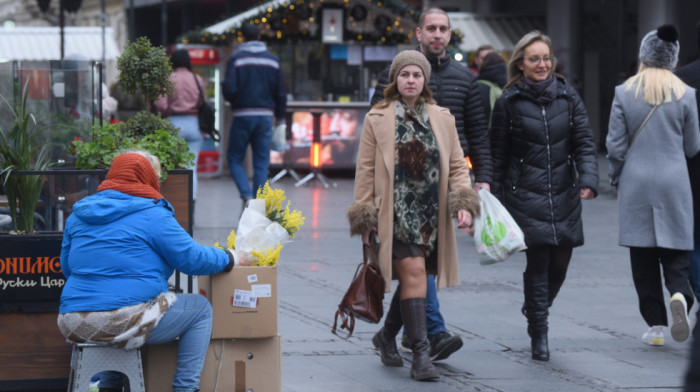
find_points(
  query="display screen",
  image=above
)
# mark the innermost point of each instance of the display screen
(340, 138)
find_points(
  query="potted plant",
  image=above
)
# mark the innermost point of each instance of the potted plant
(31, 300)
(144, 69)
(21, 150)
(144, 131)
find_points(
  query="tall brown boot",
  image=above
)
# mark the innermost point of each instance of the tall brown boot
(385, 339)
(413, 312)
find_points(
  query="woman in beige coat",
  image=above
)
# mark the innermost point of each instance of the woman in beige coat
(411, 179)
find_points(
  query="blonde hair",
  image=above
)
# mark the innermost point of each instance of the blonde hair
(515, 74)
(152, 159)
(391, 94)
(659, 85)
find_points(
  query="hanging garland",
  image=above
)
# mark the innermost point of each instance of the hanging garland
(457, 37)
(358, 13)
(276, 26)
(382, 22)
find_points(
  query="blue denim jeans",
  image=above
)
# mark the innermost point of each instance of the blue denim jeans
(189, 319)
(256, 131)
(189, 130)
(695, 261)
(435, 321)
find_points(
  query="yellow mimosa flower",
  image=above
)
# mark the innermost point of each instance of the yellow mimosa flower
(268, 257)
(231, 240)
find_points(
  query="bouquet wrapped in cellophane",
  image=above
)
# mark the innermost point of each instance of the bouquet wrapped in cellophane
(264, 228)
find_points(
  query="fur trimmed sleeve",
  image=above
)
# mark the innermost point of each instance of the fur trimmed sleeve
(463, 199)
(362, 218)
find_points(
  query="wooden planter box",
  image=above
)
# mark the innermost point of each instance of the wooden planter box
(34, 355)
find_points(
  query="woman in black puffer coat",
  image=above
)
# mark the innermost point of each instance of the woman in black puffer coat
(544, 163)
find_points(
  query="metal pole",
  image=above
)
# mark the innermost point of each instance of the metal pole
(103, 8)
(62, 23)
(98, 99)
(132, 22)
(164, 23)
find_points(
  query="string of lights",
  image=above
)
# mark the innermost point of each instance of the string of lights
(388, 22)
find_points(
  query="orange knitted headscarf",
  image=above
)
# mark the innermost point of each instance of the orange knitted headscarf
(132, 174)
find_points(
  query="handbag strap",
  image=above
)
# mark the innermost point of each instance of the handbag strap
(348, 323)
(201, 94)
(653, 109)
(372, 249)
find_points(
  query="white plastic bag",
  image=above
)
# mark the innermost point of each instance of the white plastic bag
(256, 232)
(279, 137)
(496, 234)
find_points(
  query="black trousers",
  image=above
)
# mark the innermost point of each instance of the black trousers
(548, 259)
(646, 273)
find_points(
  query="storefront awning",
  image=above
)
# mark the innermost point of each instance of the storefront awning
(44, 43)
(362, 21)
(236, 21)
(500, 31)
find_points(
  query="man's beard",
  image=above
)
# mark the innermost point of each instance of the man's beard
(430, 51)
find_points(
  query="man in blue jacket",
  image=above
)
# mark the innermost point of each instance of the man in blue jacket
(254, 86)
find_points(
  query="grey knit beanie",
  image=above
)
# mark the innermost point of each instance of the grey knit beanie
(659, 48)
(409, 57)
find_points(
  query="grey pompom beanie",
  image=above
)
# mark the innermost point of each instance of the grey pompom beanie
(659, 48)
(409, 57)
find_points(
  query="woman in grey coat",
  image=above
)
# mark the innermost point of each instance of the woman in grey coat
(653, 128)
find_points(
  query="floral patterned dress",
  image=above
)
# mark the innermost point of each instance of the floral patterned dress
(416, 178)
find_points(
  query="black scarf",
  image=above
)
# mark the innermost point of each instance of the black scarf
(544, 91)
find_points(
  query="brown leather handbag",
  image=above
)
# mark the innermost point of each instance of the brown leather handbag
(365, 294)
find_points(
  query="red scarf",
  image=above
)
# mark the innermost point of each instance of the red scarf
(132, 174)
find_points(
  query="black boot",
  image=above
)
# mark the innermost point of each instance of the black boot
(413, 313)
(385, 339)
(537, 310)
(553, 290)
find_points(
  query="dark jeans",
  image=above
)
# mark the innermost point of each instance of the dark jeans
(436, 323)
(256, 131)
(646, 274)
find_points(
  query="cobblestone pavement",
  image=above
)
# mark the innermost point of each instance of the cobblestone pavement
(595, 326)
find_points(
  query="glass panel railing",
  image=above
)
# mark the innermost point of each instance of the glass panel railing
(61, 96)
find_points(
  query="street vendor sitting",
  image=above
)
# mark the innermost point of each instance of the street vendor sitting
(120, 245)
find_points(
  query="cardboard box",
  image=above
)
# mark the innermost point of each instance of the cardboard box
(231, 365)
(244, 302)
(247, 365)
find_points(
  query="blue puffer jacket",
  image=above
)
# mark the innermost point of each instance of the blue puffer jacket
(119, 250)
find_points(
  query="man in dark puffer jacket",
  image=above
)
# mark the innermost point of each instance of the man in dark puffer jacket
(454, 87)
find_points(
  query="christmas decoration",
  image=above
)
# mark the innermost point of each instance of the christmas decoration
(367, 21)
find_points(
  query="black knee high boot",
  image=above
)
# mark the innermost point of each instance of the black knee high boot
(537, 310)
(385, 339)
(413, 313)
(553, 290)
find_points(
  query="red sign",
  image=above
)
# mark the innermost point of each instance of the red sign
(203, 56)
